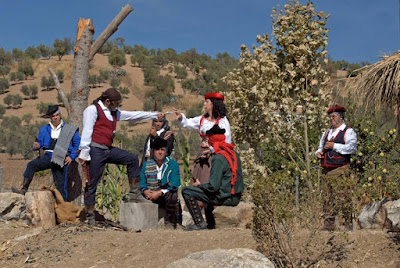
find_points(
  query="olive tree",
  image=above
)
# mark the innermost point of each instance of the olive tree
(277, 97)
(62, 47)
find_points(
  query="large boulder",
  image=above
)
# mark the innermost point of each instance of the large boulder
(12, 206)
(373, 216)
(239, 216)
(228, 258)
(393, 215)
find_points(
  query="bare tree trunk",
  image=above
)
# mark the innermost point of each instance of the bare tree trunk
(60, 91)
(80, 92)
(111, 28)
(84, 52)
(80, 77)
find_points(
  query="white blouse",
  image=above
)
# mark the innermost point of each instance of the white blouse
(194, 123)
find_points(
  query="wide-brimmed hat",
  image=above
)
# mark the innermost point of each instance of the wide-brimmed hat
(51, 109)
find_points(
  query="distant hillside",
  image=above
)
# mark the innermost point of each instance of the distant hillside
(134, 80)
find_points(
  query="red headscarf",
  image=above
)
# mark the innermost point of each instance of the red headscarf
(226, 149)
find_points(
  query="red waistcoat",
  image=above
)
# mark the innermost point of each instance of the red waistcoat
(104, 129)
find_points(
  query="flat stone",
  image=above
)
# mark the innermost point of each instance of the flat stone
(138, 215)
(227, 258)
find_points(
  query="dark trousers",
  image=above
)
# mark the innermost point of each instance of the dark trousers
(209, 200)
(59, 173)
(337, 188)
(169, 202)
(99, 159)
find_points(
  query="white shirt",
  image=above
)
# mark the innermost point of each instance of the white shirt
(90, 118)
(159, 176)
(350, 139)
(55, 132)
(148, 142)
(194, 123)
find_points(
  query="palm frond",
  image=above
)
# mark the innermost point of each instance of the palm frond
(378, 84)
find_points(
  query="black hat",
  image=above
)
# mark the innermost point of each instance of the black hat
(51, 109)
(158, 143)
(215, 130)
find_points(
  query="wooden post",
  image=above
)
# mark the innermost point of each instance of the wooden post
(40, 209)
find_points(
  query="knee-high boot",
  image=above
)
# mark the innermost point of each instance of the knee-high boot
(25, 187)
(195, 211)
(208, 209)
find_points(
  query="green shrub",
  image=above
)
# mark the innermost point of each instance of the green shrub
(42, 107)
(112, 190)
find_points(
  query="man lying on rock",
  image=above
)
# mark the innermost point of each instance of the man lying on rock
(160, 180)
(224, 188)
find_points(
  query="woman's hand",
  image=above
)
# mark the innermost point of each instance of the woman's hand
(178, 115)
(160, 115)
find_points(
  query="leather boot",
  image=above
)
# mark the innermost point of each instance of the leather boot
(194, 209)
(208, 209)
(135, 194)
(24, 188)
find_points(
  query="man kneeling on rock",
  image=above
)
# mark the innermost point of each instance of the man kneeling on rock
(160, 180)
(224, 188)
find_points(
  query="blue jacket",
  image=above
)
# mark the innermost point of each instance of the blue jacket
(170, 173)
(44, 138)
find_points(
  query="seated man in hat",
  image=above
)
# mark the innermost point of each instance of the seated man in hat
(160, 180)
(60, 142)
(160, 128)
(335, 148)
(225, 186)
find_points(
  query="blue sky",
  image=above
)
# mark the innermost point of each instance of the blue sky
(360, 30)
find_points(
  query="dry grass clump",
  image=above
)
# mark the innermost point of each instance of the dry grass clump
(379, 83)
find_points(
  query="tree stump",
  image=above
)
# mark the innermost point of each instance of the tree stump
(138, 215)
(40, 209)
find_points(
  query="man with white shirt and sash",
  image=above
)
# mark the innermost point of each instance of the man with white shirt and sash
(335, 148)
(60, 142)
(99, 126)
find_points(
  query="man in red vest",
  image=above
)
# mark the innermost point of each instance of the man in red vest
(99, 126)
(335, 148)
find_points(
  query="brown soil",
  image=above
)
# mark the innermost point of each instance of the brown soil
(83, 246)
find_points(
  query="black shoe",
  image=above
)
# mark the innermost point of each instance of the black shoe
(18, 191)
(210, 227)
(90, 218)
(195, 227)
